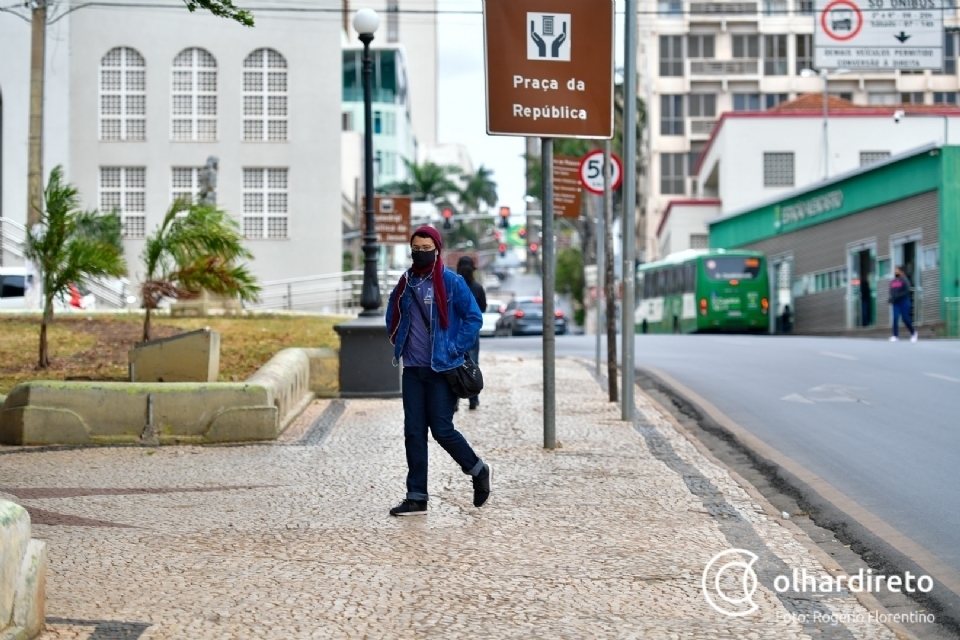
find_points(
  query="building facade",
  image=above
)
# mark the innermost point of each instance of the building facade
(832, 247)
(154, 94)
(699, 60)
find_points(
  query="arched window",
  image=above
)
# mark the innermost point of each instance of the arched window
(265, 96)
(194, 96)
(123, 95)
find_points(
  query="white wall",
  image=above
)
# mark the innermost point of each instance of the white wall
(684, 220)
(741, 142)
(312, 152)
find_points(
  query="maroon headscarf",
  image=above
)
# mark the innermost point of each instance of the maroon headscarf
(439, 292)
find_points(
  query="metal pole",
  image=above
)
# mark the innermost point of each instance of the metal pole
(549, 287)
(370, 292)
(826, 138)
(601, 210)
(629, 205)
(38, 46)
(608, 282)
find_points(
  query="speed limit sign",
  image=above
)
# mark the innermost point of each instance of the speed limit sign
(591, 172)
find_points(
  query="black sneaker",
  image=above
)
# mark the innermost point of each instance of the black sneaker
(410, 508)
(481, 485)
(474, 405)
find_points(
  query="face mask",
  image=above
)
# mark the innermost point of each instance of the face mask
(423, 259)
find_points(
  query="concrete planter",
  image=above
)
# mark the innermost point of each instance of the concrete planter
(23, 575)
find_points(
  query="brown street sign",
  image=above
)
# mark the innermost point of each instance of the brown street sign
(566, 187)
(391, 218)
(549, 67)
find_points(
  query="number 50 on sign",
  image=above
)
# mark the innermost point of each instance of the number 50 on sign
(591, 172)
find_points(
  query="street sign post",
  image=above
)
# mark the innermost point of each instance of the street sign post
(566, 187)
(391, 219)
(591, 172)
(879, 34)
(549, 67)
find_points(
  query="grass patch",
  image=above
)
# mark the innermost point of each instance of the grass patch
(95, 347)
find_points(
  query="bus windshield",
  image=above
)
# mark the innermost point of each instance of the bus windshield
(730, 268)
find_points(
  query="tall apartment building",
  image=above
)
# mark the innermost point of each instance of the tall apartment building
(698, 60)
(138, 98)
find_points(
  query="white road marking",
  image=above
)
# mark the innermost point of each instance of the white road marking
(940, 376)
(842, 356)
(796, 397)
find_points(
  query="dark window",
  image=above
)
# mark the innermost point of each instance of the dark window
(746, 102)
(804, 52)
(731, 268)
(941, 97)
(700, 46)
(949, 54)
(673, 173)
(775, 55)
(671, 55)
(913, 97)
(671, 115)
(702, 105)
(385, 88)
(746, 46)
(770, 100)
(12, 286)
(352, 91)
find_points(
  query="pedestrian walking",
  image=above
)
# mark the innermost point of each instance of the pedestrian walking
(902, 306)
(466, 267)
(432, 320)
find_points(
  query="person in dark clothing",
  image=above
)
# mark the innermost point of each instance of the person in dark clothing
(466, 267)
(432, 320)
(900, 288)
(786, 319)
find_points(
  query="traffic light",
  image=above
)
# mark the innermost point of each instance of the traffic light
(496, 236)
(522, 232)
(447, 218)
(504, 217)
(533, 247)
(503, 250)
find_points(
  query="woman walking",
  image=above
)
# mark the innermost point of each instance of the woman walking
(432, 319)
(466, 267)
(902, 307)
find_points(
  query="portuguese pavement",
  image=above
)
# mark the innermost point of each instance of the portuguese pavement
(607, 536)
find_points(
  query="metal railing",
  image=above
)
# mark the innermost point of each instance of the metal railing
(724, 67)
(702, 126)
(337, 293)
(717, 8)
(12, 235)
(114, 297)
(952, 317)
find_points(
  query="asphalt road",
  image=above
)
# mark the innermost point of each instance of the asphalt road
(879, 421)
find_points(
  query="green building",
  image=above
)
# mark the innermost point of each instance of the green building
(831, 247)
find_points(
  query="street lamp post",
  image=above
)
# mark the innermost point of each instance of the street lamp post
(366, 22)
(366, 355)
(807, 73)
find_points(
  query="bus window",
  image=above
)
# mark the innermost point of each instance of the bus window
(691, 277)
(731, 268)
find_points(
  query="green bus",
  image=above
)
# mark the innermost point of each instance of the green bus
(704, 290)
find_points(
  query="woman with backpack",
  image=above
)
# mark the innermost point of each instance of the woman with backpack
(433, 320)
(902, 306)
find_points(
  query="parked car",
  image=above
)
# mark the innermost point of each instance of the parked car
(524, 316)
(491, 282)
(12, 287)
(490, 316)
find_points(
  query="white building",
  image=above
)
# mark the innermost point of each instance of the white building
(699, 60)
(752, 157)
(137, 100)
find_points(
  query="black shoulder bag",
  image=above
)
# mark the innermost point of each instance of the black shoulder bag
(466, 380)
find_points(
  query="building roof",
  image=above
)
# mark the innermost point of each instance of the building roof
(810, 105)
(691, 202)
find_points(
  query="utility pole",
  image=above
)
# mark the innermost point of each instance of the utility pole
(629, 271)
(608, 279)
(549, 288)
(38, 46)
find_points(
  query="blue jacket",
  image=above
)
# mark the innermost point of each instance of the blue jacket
(448, 345)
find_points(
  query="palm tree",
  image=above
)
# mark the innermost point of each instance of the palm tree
(192, 251)
(70, 246)
(428, 182)
(479, 190)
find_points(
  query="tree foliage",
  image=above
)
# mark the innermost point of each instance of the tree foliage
(479, 190)
(70, 246)
(195, 249)
(222, 9)
(570, 278)
(428, 182)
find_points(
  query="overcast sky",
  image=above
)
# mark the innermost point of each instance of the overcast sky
(462, 108)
